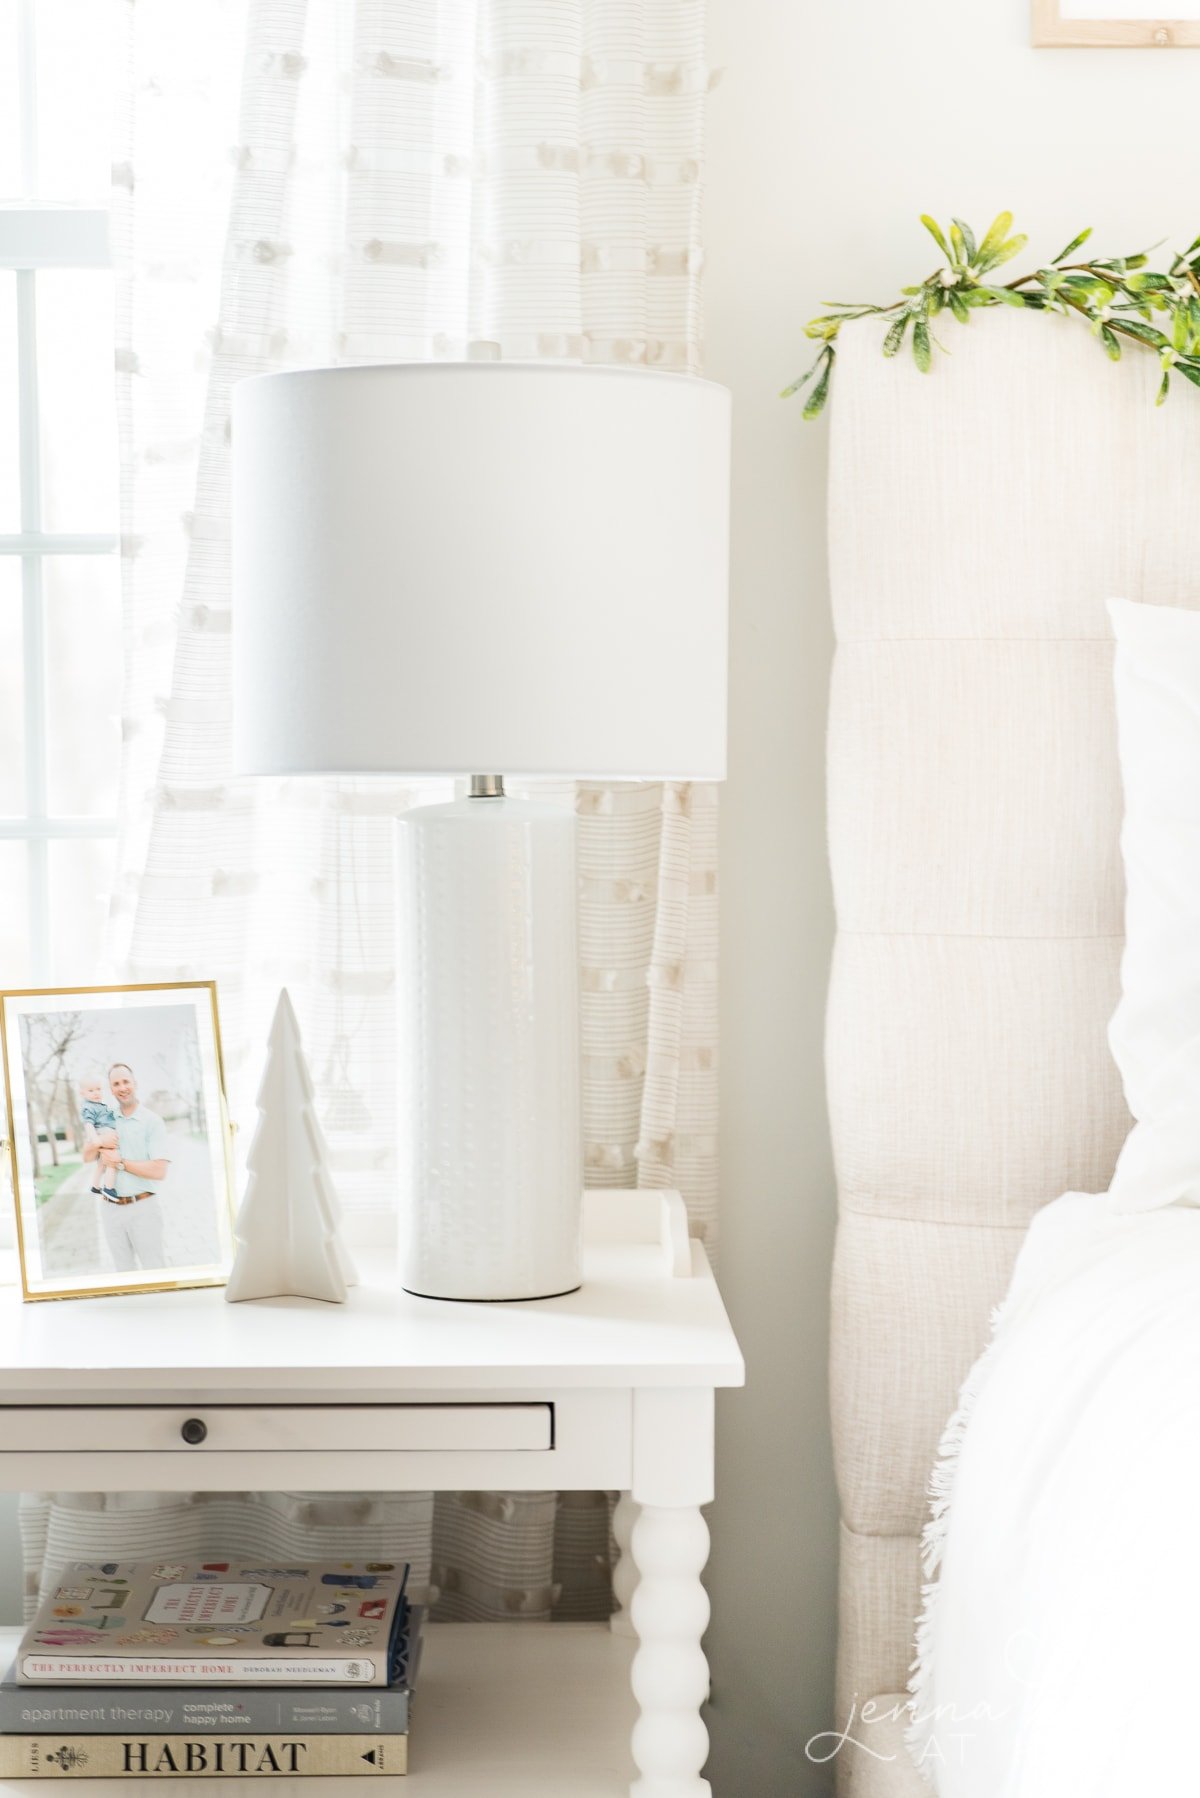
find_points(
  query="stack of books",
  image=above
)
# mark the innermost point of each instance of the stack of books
(167, 1669)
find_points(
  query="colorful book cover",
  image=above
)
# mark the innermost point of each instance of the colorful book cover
(220, 1710)
(219, 1623)
(200, 1757)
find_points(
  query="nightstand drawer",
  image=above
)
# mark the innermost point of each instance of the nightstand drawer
(321, 1429)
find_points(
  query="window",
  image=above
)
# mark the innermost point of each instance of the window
(60, 614)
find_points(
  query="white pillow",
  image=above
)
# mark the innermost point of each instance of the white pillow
(1155, 1030)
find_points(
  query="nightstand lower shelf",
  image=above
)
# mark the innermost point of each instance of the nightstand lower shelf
(513, 1710)
(523, 1710)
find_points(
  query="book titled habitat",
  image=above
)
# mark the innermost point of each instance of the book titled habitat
(219, 1623)
(203, 1757)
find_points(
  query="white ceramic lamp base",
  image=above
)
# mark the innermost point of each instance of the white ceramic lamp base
(491, 1151)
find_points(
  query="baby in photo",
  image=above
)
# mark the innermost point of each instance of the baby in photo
(99, 1117)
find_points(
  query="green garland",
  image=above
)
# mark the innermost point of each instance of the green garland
(1117, 296)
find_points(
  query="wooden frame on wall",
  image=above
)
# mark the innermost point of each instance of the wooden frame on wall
(1091, 24)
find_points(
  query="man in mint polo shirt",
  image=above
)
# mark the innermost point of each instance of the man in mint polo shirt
(133, 1226)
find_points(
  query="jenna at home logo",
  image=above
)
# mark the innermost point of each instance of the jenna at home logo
(942, 1734)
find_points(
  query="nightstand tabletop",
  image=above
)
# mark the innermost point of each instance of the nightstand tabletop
(633, 1322)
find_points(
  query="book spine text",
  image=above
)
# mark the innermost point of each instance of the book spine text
(51, 1669)
(171, 1710)
(200, 1756)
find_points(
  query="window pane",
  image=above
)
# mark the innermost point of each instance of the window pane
(12, 691)
(10, 107)
(14, 916)
(75, 388)
(81, 876)
(81, 605)
(10, 472)
(75, 66)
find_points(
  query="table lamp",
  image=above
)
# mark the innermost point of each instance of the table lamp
(492, 571)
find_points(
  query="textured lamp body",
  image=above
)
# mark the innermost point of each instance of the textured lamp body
(491, 1147)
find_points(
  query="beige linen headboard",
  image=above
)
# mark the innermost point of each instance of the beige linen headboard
(980, 516)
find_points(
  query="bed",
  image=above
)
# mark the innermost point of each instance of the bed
(979, 518)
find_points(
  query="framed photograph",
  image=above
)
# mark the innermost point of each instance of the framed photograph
(118, 1137)
(1137, 24)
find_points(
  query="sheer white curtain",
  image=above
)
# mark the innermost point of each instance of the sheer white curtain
(322, 181)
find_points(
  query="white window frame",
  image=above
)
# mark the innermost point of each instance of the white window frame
(35, 237)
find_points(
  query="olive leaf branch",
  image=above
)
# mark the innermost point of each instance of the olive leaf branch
(1117, 296)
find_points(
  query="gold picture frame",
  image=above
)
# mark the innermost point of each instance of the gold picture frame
(1062, 24)
(118, 1138)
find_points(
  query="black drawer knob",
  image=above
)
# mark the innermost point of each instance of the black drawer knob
(194, 1430)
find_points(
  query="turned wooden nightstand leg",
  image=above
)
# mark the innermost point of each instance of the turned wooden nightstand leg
(625, 1574)
(672, 1478)
(670, 1671)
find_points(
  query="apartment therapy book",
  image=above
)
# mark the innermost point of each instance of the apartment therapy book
(219, 1623)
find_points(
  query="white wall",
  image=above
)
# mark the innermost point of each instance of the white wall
(12, 1579)
(837, 122)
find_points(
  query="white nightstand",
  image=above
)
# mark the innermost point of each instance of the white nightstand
(610, 1387)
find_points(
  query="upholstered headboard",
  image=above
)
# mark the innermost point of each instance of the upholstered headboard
(980, 516)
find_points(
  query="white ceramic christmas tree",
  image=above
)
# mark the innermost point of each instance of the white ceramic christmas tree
(287, 1227)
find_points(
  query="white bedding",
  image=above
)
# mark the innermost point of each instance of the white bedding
(1061, 1650)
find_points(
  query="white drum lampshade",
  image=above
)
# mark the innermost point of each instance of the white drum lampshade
(486, 570)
